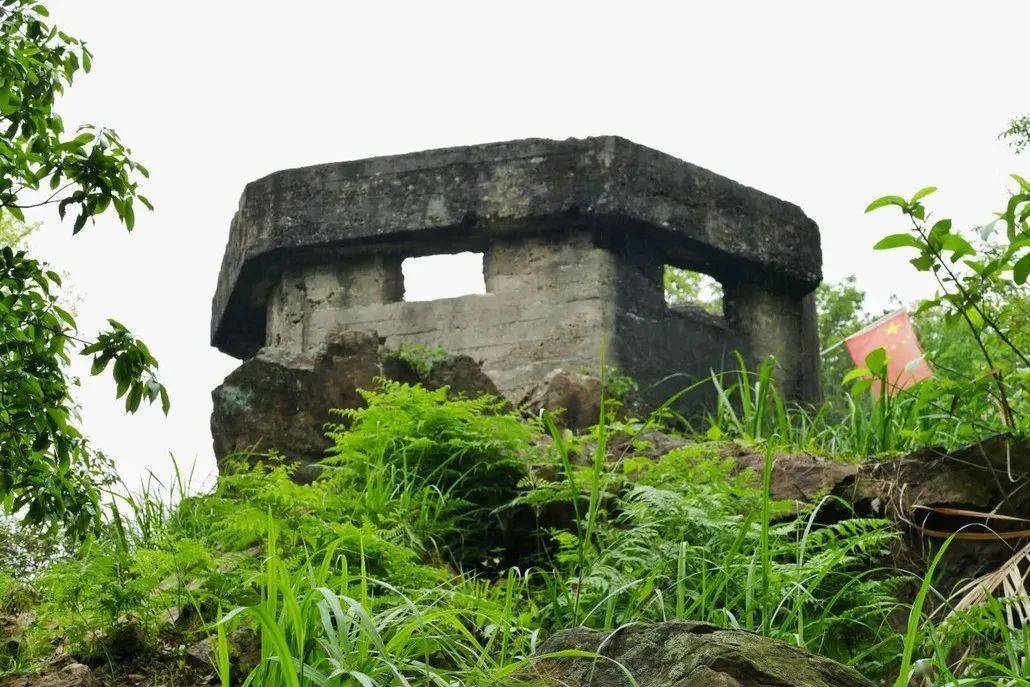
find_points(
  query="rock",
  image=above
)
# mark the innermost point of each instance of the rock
(244, 652)
(574, 398)
(279, 401)
(992, 474)
(72, 675)
(798, 476)
(929, 494)
(199, 655)
(686, 654)
(462, 375)
(933, 493)
(651, 443)
(988, 476)
(69, 674)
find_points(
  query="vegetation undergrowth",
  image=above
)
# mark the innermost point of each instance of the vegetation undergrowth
(393, 567)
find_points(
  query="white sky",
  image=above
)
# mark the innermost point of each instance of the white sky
(824, 104)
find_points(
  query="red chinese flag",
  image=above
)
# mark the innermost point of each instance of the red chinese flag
(906, 362)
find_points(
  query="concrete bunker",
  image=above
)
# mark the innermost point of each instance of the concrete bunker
(574, 234)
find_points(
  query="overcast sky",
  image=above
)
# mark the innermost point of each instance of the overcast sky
(819, 103)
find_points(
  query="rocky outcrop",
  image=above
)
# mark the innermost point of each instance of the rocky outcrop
(278, 401)
(930, 494)
(61, 673)
(990, 476)
(684, 654)
(12, 630)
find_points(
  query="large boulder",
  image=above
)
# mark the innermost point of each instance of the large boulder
(459, 373)
(989, 476)
(934, 493)
(684, 654)
(574, 399)
(992, 475)
(929, 494)
(279, 401)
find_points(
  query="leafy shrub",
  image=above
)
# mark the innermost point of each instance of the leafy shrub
(679, 538)
(462, 457)
(347, 578)
(420, 358)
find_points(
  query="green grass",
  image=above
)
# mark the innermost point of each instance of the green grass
(850, 423)
(390, 569)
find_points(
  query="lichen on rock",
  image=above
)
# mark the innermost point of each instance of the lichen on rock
(683, 654)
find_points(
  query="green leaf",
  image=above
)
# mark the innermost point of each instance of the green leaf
(958, 245)
(974, 317)
(922, 193)
(876, 361)
(861, 386)
(1021, 270)
(80, 140)
(899, 241)
(923, 263)
(65, 315)
(927, 305)
(884, 202)
(132, 401)
(99, 365)
(857, 373)
(938, 232)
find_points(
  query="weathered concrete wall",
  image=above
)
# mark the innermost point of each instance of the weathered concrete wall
(782, 325)
(304, 295)
(555, 301)
(574, 234)
(546, 306)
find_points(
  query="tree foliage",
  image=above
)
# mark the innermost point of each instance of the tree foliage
(684, 287)
(88, 170)
(1017, 134)
(982, 280)
(47, 470)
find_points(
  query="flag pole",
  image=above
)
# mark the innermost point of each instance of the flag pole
(833, 347)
